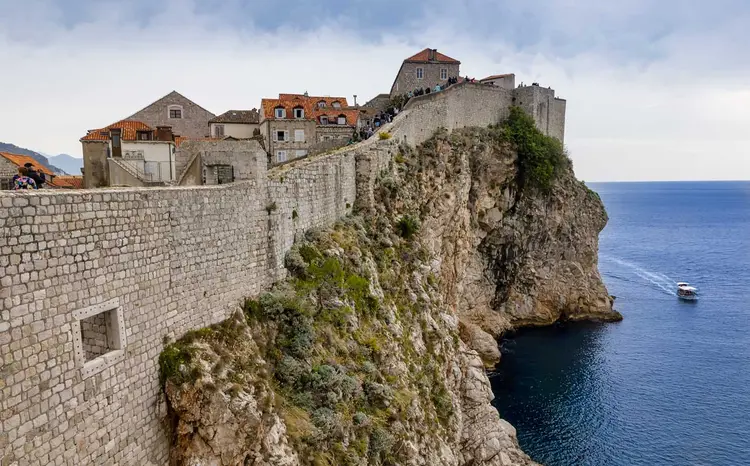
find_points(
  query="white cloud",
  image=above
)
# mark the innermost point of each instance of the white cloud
(681, 115)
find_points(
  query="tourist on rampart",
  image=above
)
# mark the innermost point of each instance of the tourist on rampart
(22, 180)
(37, 176)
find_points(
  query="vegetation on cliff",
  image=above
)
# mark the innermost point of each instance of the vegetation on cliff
(353, 356)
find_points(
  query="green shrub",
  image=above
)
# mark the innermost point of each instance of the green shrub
(407, 227)
(174, 360)
(384, 135)
(540, 157)
(399, 158)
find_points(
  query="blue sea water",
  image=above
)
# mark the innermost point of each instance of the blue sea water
(670, 384)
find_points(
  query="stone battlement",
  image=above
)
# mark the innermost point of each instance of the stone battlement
(93, 281)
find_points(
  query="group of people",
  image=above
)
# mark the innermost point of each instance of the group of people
(380, 119)
(28, 178)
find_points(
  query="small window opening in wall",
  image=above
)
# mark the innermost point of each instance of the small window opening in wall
(420, 73)
(299, 112)
(443, 74)
(98, 337)
(175, 112)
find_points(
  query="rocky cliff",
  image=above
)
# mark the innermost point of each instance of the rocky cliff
(373, 351)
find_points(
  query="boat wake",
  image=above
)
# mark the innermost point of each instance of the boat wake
(638, 275)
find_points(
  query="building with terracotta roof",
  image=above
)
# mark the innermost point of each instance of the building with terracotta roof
(128, 153)
(239, 124)
(427, 68)
(296, 125)
(10, 163)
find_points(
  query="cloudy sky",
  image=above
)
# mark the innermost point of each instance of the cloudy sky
(656, 90)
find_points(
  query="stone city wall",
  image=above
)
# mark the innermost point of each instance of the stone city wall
(121, 271)
(144, 264)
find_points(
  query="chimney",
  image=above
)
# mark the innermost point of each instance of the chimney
(432, 54)
(355, 100)
(164, 133)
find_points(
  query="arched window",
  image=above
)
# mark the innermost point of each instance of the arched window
(321, 104)
(174, 112)
(342, 119)
(324, 120)
(299, 112)
(336, 104)
(280, 112)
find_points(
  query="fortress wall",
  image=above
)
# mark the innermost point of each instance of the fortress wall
(117, 270)
(459, 106)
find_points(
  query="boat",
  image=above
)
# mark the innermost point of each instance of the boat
(687, 292)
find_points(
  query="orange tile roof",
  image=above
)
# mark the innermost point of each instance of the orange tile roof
(70, 182)
(424, 57)
(21, 160)
(129, 131)
(351, 114)
(308, 103)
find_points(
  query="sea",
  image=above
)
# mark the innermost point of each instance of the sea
(670, 384)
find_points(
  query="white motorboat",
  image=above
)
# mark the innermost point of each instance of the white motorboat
(687, 292)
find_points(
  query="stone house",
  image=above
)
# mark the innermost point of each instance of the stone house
(238, 124)
(427, 68)
(128, 153)
(184, 116)
(213, 162)
(10, 163)
(506, 81)
(296, 125)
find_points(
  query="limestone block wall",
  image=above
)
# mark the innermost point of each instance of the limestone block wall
(149, 264)
(547, 110)
(459, 106)
(158, 262)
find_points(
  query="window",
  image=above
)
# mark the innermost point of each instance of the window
(337, 104)
(300, 153)
(444, 74)
(224, 174)
(396, 86)
(98, 337)
(175, 112)
(115, 135)
(322, 104)
(420, 73)
(299, 112)
(280, 156)
(299, 135)
(219, 131)
(342, 120)
(279, 136)
(144, 135)
(324, 120)
(280, 112)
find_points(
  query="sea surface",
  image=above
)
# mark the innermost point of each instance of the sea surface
(670, 384)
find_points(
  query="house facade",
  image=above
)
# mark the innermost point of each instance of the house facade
(128, 153)
(296, 125)
(427, 68)
(238, 124)
(185, 117)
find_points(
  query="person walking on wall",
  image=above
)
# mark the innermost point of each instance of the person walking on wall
(35, 175)
(22, 180)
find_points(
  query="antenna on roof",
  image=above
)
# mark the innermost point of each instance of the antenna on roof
(306, 94)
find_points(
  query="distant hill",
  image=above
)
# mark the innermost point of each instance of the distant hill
(71, 165)
(14, 149)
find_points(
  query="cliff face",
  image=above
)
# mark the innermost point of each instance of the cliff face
(373, 351)
(508, 256)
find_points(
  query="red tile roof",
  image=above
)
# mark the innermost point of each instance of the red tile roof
(308, 103)
(69, 182)
(129, 131)
(21, 160)
(351, 114)
(424, 57)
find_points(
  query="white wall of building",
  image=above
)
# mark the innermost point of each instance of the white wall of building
(235, 130)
